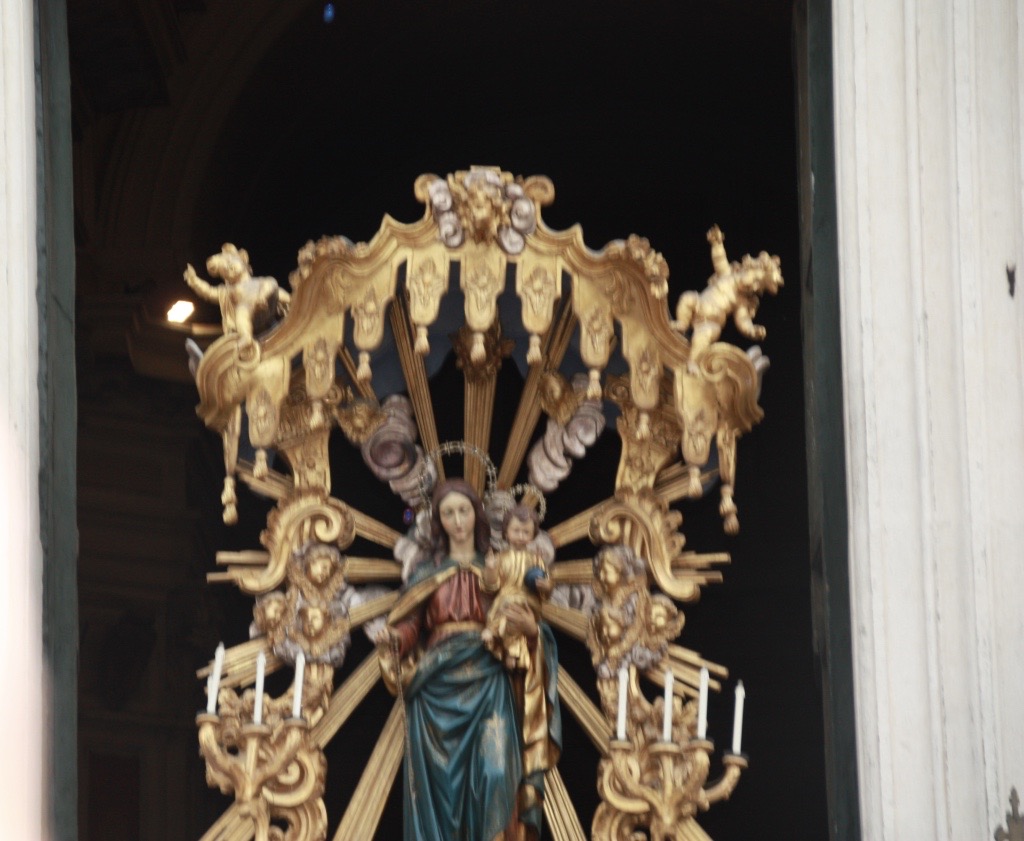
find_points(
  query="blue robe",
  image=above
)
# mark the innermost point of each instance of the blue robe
(464, 767)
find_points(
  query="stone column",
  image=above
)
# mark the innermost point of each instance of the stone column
(21, 658)
(929, 98)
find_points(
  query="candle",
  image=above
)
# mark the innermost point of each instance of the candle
(261, 667)
(300, 671)
(620, 726)
(666, 722)
(737, 719)
(702, 705)
(213, 683)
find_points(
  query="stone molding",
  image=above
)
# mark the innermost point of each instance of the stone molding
(928, 168)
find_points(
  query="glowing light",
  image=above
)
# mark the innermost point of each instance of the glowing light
(181, 311)
(328, 13)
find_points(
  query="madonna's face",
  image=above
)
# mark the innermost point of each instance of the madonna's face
(458, 519)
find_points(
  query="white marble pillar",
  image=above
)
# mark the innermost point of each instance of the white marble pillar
(929, 100)
(21, 662)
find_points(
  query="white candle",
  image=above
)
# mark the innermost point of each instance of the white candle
(620, 726)
(702, 705)
(666, 722)
(213, 683)
(261, 667)
(737, 718)
(300, 671)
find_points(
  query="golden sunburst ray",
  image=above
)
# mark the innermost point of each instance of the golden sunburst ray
(371, 609)
(346, 698)
(371, 570)
(578, 571)
(555, 344)
(240, 663)
(230, 826)
(363, 387)
(415, 378)
(367, 804)
(575, 527)
(559, 811)
(585, 711)
(275, 485)
(568, 619)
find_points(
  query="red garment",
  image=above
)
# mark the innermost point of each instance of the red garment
(459, 599)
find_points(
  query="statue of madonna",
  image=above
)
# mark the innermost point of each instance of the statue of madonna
(476, 752)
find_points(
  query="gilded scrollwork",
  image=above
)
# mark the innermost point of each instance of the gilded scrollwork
(368, 320)
(654, 265)
(644, 456)
(641, 520)
(359, 419)
(717, 398)
(306, 455)
(302, 518)
(318, 361)
(539, 285)
(559, 398)
(426, 283)
(326, 248)
(306, 819)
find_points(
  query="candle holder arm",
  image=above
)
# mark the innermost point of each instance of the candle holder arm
(222, 769)
(721, 789)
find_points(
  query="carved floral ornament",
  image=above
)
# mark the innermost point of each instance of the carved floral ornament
(290, 383)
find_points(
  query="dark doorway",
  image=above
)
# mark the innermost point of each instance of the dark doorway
(658, 119)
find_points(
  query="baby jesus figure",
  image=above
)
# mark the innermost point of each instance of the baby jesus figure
(520, 577)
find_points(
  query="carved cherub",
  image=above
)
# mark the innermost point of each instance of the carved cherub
(618, 579)
(733, 289)
(628, 625)
(247, 303)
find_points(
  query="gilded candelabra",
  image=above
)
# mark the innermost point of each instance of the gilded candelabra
(261, 750)
(658, 761)
(295, 366)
